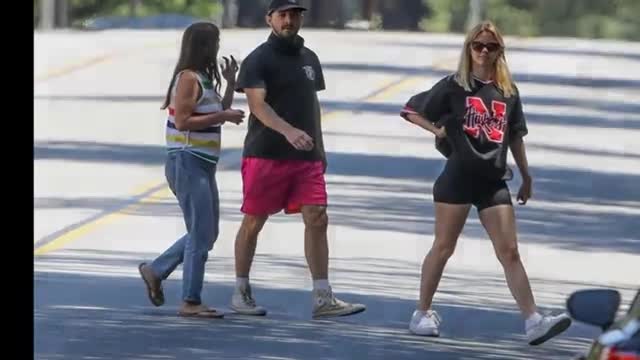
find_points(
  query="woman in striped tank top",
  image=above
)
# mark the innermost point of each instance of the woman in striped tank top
(196, 113)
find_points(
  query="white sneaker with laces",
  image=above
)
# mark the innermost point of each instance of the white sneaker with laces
(243, 303)
(425, 323)
(548, 327)
(326, 305)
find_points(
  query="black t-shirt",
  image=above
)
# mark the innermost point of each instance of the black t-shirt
(480, 124)
(291, 75)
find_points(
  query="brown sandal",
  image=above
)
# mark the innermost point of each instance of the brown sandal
(154, 287)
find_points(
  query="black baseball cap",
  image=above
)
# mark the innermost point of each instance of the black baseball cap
(280, 5)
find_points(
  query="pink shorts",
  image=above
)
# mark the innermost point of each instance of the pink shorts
(270, 186)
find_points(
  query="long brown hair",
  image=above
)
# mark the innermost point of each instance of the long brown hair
(199, 52)
(503, 79)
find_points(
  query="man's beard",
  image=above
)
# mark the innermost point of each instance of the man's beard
(289, 33)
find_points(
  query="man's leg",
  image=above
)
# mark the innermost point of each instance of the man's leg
(263, 194)
(309, 196)
(242, 300)
(246, 242)
(316, 249)
(325, 303)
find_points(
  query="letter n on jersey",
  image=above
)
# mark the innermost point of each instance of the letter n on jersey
(478, 117)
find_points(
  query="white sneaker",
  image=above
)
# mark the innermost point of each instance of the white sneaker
(547, 328)
(425, 323)
(325, 304)
(243, 303)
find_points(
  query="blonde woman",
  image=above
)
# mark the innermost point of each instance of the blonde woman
(476, 115)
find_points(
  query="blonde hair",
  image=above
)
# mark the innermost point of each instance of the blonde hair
(503, 79)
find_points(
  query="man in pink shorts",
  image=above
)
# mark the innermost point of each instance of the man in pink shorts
(284, 160)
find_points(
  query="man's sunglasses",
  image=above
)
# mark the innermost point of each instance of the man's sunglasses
(491, 47)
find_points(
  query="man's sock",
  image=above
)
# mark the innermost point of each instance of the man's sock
(242, 282)
(322, 284)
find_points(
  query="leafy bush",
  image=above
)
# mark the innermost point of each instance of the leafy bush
(581, 18)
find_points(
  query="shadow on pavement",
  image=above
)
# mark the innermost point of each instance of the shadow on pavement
(547, 79)
(91, 151)
(102, 312)
(383, 192)
(609, 106)
(393, 109)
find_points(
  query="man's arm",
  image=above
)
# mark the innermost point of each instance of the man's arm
(265, 113)
(320, 144)
(320, 86)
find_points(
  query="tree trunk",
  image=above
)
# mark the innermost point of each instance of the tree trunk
(230, 15)
(47, 14)
(62, 13)
(477, 11)
(134, 6)
(369, 7)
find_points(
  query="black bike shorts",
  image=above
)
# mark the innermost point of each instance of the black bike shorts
(454, 186)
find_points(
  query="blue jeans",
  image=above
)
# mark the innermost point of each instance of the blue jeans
(192, 180)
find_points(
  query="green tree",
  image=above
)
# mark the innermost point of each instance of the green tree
(581, 18)
(446, 15)
(627, 13)
(86, 9)
(513, 17)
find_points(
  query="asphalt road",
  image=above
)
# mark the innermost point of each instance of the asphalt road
(101, 204)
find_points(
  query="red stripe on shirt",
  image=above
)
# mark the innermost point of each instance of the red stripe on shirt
(407, 110)
(172, 112)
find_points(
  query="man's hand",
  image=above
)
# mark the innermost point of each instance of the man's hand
(299, 139)
(525, 190)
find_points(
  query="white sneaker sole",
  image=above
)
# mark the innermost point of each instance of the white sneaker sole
(428, 332)
(252, 312)
(555, 330)
(341, 312)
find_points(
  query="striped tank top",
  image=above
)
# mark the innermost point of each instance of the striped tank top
(204, 143)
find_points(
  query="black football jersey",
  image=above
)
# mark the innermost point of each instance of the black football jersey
(479, 123)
